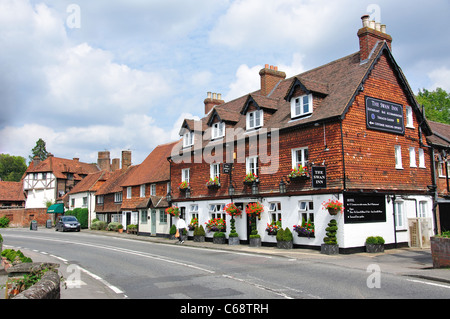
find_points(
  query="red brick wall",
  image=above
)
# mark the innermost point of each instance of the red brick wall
(23, 217)
(440, 251)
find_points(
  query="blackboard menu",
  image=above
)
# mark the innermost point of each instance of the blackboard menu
(384, 116)
(359, 208)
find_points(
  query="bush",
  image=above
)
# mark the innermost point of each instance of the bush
(113, 226)
(83, 216)
(173, 230)
(199, 231)
(375, 240)
(99, 225)
(11, 255)
(4, 222)
(331, 239)
(280, 234)
(219, 234)
(284, 235)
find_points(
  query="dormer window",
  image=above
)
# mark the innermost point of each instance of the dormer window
(188, 139)
(255, 119)
(302, 105)
(218, 130)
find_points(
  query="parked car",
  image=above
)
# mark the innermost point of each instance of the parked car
(68, 223)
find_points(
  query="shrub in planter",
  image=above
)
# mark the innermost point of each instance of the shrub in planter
(375, 244)
(99, 225)
(173, 231)
(285, 239)
(113, 226)
(4, 222)
(330, 246)
(219, 238)
(199, 234)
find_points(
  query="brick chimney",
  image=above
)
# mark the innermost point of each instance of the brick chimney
(115, 164)
(270, 77)
(369, 35)
(211, 101)
(126, 159)
(103, 161)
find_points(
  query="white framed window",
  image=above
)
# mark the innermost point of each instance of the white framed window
(217, 211)
(214, 170)
(100, 199)
(153, 189)
(423, 206)
(255, 119)
(421, 158)
(185, 175)
(302, 105)
(399, 215)
(275, 211)
(252, 165)
(412, 157)
(118, 197)
(306, 211)
(142, 190)
(193, 211)
(128, 192)
(441, 168)
(409, 117)
(299, 157)
(188, 139)
(144, 216)
(85, 202)
(218, 130)
(398, 157)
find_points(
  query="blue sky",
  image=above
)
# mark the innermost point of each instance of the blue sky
(88, 76)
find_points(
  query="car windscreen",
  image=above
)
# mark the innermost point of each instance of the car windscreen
(69, 219)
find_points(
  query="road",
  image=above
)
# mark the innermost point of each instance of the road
(145, 270)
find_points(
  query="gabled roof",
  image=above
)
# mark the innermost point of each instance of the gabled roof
(440, 136)
(61, 166)
(115, 179)
(11, 192)
(91, 183)
(155, 168)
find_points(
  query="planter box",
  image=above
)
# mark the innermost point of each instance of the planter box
(374, 248)
(329, 249)
(255, 242)
(233, 241)
(219, 240)
(440, 252)
(285, 244)
(199, 239)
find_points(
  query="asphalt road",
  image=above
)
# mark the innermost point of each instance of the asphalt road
(144, 270)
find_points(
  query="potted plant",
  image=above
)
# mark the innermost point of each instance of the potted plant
(284, 238)
(193, 224)
(333, 206)
(219, 238)
(232, 210)
(330, 246)
(253, 211)
(120, 228)
(183, 186)
(375, 244)
(250, 178)
(173, 231)
(216, 225)
(306, 229)
(273, 227)
(199, 234)
(300, 172)
(213, 183)
(173, 210)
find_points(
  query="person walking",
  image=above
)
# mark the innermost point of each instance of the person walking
(181, 225)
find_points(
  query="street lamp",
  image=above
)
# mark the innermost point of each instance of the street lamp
(282, 187)
(255, 189)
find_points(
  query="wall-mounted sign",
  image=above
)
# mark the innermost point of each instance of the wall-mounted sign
(227, 167)
(384, 116)
(361, 208)
(319, 176)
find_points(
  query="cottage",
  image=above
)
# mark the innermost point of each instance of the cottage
(350, 130)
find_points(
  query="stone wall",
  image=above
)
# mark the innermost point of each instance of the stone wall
(440, 252)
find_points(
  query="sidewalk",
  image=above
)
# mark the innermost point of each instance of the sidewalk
(411, 262)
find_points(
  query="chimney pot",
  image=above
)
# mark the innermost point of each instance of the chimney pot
(219, 96)
(365, 20)
(383, 28)
(372, 24)
(378, 26)
(275, 68)
(214, 96)
(266, 66)
(209, 95)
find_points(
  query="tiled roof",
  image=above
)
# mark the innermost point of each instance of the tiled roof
(60, 166)
(441, 134)
(11, 191)
(115, 180)
(91, 183)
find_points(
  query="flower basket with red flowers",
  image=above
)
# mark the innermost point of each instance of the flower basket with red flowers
(232, 210)
(250, 178)
(193, 224)
(306, 229)
(174, 211)
(300, 172)
(213, 183)
(183, 186)
(254, 209)
(333, 206)
(216, 224)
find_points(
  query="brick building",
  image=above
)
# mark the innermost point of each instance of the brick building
(354, 128)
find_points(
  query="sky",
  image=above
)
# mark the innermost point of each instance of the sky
(95, 75)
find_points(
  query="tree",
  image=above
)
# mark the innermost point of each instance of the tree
(39, 150)
(12, 168)
(436, 104)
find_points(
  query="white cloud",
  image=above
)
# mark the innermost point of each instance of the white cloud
(440, 78)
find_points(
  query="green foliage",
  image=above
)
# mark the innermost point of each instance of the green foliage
(1, 239)
(4, 222)
(98, 225)
(12, 168)
(233, 232)
(331, 230)
(173, 230)
(375, 240)
(39, 150)
(82, 214)
(436, 104)
(284, 234)
(199, 231)
(219, 234)
(445, 234)
(113, 226)
(12, 254)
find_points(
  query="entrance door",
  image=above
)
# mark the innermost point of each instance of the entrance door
(153, 222)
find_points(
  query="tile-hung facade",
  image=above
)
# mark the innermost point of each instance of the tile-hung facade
(353, 123)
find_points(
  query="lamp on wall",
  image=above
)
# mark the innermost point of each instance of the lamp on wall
(282, 187)
(169, 197)
(231, 190)
(255, 190)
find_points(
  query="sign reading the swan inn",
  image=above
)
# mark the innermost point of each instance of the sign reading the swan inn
(361, 208)
(384, 116)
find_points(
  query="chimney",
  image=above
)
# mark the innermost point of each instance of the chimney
(76, 159)
(103, 161)
(369, 35)
(115, 164)
(36, 161)
(211, 101)
(126, 159)
(270, 77)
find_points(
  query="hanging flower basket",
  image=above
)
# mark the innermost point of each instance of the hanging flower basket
(299, 173)
(174, 211)
(183, 186)
(213, 183)
(250, 178)
(333, 206)
(232, 210)
(254, 209)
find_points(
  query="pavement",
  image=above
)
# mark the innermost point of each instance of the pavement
(412, 262)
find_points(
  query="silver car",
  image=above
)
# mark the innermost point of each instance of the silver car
(68, 223)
